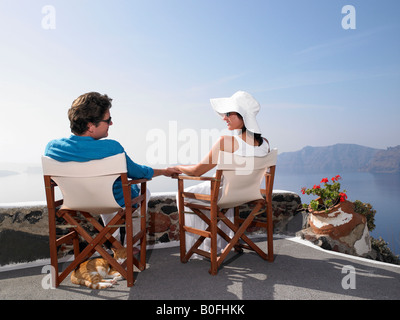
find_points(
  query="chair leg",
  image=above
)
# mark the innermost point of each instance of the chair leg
(129, 247)
(53, 247)
(270, 231)
(213, 248)
(237, 247)
(143, 240)
(75, 242)
(182, 235)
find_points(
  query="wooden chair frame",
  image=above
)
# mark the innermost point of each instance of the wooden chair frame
(122, 218)
(216, 214)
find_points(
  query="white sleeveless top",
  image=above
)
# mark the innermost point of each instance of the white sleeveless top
(248, 150)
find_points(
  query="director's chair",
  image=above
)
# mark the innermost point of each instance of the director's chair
(87, 187)
(237, 181)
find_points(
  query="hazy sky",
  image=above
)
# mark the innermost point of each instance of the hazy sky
(162, 60)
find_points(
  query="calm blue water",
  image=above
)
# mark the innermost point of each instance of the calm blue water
(382, 191)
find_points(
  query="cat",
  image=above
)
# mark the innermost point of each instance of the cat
(95, 273)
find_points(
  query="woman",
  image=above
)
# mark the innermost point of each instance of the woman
(239, 111)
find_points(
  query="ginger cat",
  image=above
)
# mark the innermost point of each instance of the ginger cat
(93, 273)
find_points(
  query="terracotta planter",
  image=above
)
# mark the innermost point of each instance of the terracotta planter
(337, 222)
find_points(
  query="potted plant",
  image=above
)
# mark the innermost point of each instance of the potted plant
(328, 196)
(331, 214)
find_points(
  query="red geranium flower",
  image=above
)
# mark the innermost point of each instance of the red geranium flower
(324, 180)
(342, 196)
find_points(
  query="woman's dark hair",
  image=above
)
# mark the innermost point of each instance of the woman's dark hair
(257, 136)
(89, 107)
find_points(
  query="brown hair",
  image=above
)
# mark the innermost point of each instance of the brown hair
(89, 107)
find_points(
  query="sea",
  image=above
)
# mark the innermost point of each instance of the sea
(382, 191)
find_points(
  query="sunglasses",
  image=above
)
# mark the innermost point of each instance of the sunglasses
(108, 121)
(230, 113)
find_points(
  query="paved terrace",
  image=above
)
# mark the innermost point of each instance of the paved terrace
(300, 271)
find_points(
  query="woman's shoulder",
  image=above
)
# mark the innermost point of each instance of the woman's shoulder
(228, 143)
(227, 138)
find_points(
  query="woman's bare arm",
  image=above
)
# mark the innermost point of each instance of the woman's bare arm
(225, 143)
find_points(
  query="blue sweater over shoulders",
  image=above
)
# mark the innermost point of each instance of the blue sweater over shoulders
(82, 149)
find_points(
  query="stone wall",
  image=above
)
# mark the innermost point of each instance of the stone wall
(163, 220)
(24, 227)
(23, 232)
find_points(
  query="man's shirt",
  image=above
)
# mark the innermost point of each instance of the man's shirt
(82, 149)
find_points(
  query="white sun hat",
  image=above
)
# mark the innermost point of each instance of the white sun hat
(240, 102)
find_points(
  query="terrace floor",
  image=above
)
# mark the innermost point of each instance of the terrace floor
(300, 271)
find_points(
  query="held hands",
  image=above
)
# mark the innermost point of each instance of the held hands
(171, 172)
(168, 172)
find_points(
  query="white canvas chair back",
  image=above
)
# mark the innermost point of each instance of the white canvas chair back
(87, 186)
(242, 177)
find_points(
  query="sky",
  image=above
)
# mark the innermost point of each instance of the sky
(318, 81)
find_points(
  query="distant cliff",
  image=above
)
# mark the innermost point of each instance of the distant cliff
(340, 158)
(385, 161)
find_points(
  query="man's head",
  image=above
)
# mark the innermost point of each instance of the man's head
(89, 112)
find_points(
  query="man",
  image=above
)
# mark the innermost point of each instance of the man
(90, 120)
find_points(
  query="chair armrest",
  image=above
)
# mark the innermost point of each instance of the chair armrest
(136, 181)
(183, 177)
(198, 196)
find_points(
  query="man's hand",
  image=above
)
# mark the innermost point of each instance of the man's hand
(168, 172)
